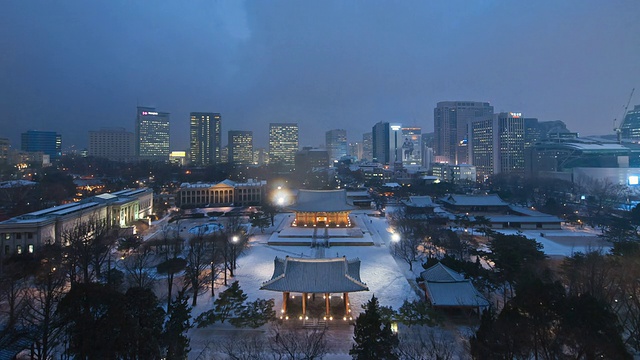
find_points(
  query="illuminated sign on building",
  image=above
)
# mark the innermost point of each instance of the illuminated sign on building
(515, 115)
(149, 113)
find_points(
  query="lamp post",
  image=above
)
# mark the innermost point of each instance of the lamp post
(395, 238)
(234, 241)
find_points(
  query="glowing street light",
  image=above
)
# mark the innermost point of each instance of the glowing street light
(395, 237)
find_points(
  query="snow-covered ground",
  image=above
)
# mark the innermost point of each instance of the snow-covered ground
(387, 278)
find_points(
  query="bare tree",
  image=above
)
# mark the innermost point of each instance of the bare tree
(253, 347)
(424, 343)
(137, 267)
(296, 343)
(198, 258)
(48, 288)
(87, 245)
(412, 232)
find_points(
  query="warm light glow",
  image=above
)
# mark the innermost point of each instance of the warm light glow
(395, 237)
(234, 239)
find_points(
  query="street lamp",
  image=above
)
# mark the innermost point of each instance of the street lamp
(234, 241)
(395, 237)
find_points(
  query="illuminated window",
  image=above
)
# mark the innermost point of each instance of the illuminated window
(30, 248)
(19, 249)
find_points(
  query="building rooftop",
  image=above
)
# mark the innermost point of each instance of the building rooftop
(474, 200)
(315, 276)
(321, 200)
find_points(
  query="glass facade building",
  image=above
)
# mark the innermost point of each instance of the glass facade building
(205, 138)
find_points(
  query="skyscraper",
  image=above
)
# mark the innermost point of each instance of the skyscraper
(115, 144)
(497, 145)
(450, 122)
(47, 142)
(205, 138)
(367, 146)
(152, 134)
(5, 145)
(411, 149)
(240, 147)
(387, 143)
(630, 127)
(336, 144)
(283, 143)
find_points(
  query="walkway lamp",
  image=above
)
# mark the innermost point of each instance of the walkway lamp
(234, 241)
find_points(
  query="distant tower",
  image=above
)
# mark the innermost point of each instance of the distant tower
(152, 134)
(240, 147)
(450, 121)
(47, 142)
(115, 144)
(283, 143)
(336, 144)
(367, 146)
(5, 145)
(205, 138)
(630, 127)
(497, 145)
(411, 149)
(387, 143)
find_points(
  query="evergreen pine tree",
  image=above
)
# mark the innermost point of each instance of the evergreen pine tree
(373, 338)
(178, 323)
(230, 303)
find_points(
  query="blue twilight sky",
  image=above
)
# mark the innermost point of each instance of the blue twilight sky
(74, 65)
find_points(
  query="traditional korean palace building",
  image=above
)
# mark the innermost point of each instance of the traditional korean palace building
(500, 214)
(224, 193)
(315, 276)
(322, 208)
(445, 288)
(120, 209)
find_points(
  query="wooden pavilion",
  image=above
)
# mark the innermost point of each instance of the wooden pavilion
(315, 276)
(326, 208)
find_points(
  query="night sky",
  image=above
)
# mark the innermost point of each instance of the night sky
(74, 66)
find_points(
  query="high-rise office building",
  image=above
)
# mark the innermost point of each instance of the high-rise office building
(47, 142)
(283, 143)
(387, 143)
(450, 122)
(367, 146)
(205, 138)
(355, 150)
(411, 149)
(497, 145)
(115, 144)
(630, 128)
(240, 147)
(336, 144)
(5, 145)
(152, 134)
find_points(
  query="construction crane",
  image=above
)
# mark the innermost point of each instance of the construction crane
(624, 114)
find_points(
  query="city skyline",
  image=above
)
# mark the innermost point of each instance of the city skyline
(75, 67)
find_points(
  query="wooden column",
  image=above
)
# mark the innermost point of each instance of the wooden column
(346, 304)
(304, 304)
(285, 298)
(327, 304)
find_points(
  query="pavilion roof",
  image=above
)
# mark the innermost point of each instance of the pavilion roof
(321, 200)
(445, 287)
(334, 275)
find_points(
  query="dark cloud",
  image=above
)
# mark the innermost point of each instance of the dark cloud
(75, 66)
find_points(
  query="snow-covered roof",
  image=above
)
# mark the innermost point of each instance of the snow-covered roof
(319, 276)
(524, 219)
(459, 293)
(439, 272)
(474, 200)
(419, 201)
(446, 287)
(321, 200)
(16, 183)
